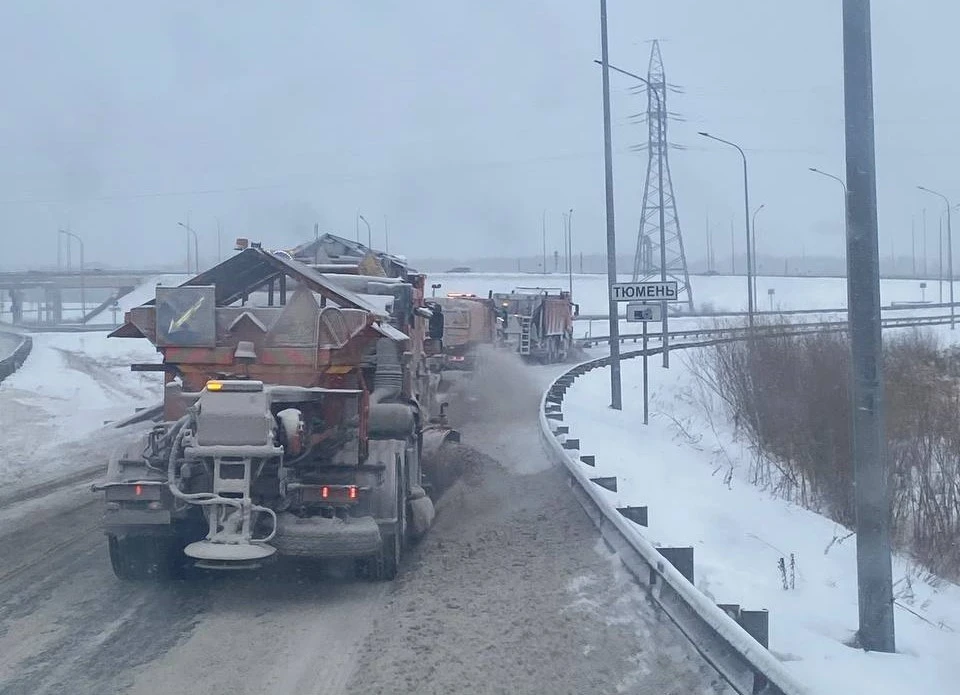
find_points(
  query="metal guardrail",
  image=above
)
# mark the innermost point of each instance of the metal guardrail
(12, 363)
(746, 665)
(768, 330)
(741, 660)
(895, 306)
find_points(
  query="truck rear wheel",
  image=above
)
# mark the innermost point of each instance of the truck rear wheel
(137, 558)
(386, 564)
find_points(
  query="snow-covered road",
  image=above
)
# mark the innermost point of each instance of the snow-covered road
(511, 592)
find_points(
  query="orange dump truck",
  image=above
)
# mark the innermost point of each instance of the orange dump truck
(469, 323)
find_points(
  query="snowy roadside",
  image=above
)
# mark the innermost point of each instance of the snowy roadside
(694, 476)
(52, 411)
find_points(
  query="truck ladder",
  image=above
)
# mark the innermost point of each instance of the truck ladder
(525, 324)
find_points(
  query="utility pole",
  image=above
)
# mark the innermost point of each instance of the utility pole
(219, 243)
(746, 213)
(83, 287)
(733, 250)
(754, 226)
(924, 225)
(872, 495)
(949, 249)
(570, 250)
(386, 236)
(613, 310)
(369, 232)
(913, 242)
(940, 271)
(543, 240)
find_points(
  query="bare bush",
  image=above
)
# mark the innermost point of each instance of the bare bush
(790, 397)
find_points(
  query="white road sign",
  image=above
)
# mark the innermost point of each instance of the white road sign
(636, 311)
(644, 291)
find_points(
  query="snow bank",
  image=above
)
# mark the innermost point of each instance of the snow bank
(141, 295)
(63, 393)
(695, 477)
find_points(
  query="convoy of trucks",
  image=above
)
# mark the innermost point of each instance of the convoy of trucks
(302, 406)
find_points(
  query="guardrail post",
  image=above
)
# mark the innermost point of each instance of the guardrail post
(681, 558)
(571, 444)
(562, 429)
(637, 515)
(757, 625)
(608, 483)
(558, 416)
(589, 459)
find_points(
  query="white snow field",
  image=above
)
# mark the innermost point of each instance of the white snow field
(719, 292)
(694, 476)
(69, 385)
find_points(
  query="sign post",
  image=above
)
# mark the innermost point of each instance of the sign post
(645, 313)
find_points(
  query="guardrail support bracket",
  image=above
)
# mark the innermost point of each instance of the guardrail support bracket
(608, 483)
(571, 444)
(681, 558)
(637, 515)
(589, 459)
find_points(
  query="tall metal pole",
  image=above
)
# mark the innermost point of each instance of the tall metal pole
(386, 235)
(733, 250)
(196, 254)
(570, 250)
(219, 243)
(872, 495)
(612, 308)
(543, 240)
(746, 221)
(646, 390)
(369, 232)
(924, 228)
(940, 256)
(753, 225)
(913, 242)
(83, 288)
(949, 251)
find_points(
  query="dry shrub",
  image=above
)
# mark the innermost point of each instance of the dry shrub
(790, 397)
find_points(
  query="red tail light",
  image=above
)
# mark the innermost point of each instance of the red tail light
(138, 490)
(353, 492)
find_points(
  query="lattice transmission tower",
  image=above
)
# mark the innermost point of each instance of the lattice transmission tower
(659, 202)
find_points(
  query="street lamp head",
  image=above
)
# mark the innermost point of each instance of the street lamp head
(706, 135)
(814, 170)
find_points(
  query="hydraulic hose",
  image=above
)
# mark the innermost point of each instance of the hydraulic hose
(179, 431)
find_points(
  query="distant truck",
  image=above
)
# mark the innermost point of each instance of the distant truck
(536, 323)
(469, 325)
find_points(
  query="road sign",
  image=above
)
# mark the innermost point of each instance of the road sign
(646, 291)
(638, 311)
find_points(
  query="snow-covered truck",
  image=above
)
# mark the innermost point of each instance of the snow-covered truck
(536, 322)
(298, 410)
(469, 326)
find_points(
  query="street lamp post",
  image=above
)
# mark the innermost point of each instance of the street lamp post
(369, 232)
(746, 221)
(568, 217)
(753, 225)
(83, 288)
(196, 248)
(949, 250)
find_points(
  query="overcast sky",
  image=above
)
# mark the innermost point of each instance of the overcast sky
(461, 121)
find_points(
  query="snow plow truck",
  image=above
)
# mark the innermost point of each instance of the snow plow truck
(536, 323)
(299, 410)
(469, 326)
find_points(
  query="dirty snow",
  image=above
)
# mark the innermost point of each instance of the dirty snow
(693, 474)
(68, 386)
